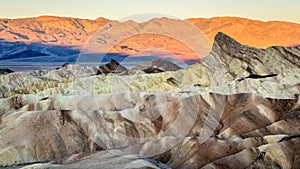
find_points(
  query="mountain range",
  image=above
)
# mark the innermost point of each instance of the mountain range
(62, 39)
(74, 31)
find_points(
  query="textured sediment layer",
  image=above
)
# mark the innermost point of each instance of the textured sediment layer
(182, 131)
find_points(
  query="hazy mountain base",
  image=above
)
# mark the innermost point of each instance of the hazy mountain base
(70, 118)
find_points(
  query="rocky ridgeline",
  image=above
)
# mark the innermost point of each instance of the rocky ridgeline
(237, 108)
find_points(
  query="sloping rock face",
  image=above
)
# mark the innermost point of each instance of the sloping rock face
(237, 108)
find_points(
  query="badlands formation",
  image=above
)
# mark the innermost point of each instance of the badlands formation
(238, 107)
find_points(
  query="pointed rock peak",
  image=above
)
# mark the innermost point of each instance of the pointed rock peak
(223, 39)
(113, 62)
(112, 67)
